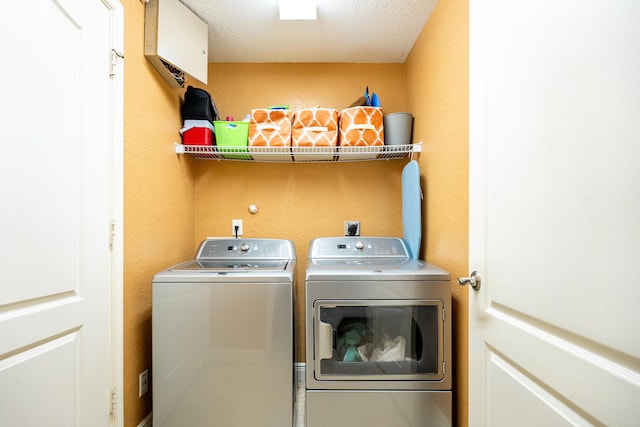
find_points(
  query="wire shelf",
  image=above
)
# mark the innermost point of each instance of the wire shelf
(300, 154)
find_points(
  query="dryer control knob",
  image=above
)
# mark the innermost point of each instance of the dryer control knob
(359, 246)
(244, 247)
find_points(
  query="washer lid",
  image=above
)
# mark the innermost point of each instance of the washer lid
(231, 265)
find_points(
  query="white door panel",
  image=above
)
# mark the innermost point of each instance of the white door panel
(41, 176)
(548, 360)
(56, 191)
(36, 321)
(537, 407)
(554, 212)
(39, 395)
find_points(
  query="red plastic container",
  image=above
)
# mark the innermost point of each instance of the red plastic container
(198, 136)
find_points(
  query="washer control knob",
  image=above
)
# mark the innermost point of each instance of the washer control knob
(359, 246)
(244, 247)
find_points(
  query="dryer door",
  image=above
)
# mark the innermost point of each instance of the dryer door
(384, 340)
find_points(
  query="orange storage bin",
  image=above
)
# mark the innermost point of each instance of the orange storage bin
(270, 134)
(361, 132)
(315, 132)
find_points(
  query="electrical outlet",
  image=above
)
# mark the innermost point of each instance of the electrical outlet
(143, 382)
(236, 232)
(352, 228)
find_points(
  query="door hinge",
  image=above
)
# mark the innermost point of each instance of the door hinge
(115, 57)
(112, 404)
(112, 232)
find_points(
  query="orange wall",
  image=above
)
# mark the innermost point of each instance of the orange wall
(237, 88)
(158, 201)
(300, 201)
(172, 202)
(437, 78)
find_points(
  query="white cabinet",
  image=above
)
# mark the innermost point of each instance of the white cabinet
(175, 42)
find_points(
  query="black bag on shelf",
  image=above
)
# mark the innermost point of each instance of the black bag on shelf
(198, 105)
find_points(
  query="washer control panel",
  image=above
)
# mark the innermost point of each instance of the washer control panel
(250, 248)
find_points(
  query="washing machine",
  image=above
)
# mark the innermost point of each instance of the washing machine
(222, 330)
(378, 335)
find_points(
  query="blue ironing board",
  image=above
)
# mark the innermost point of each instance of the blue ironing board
(412, 208)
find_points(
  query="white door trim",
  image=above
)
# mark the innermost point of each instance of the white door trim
(117, 137)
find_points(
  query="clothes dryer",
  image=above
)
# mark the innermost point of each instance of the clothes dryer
(378, 335)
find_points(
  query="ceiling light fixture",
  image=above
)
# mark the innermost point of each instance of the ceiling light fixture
(297, 10)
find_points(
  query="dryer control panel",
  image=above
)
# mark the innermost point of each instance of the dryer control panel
(358, 247)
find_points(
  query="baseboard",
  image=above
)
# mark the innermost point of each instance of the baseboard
(147, 422)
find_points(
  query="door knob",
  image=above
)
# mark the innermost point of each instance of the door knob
(473, 280)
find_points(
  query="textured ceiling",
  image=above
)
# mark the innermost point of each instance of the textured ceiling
(365, 31)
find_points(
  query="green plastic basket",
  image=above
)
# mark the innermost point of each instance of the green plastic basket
(232, 137)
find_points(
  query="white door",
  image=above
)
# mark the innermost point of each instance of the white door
(56, 197)
(554, 213)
